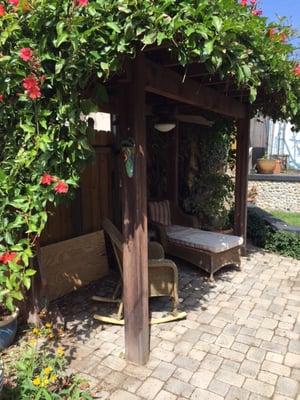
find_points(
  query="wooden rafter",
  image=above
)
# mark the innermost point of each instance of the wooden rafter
(167, 83)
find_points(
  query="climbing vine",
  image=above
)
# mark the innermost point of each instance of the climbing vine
(55, 56)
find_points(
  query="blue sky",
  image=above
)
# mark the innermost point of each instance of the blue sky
(287, 8)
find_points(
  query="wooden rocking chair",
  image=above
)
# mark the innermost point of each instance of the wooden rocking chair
(163, 279)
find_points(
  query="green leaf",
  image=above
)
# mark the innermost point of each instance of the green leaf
(208, 47)
(114, 26)
(217, 23)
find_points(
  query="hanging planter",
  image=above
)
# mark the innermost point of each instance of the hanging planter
(129, 150)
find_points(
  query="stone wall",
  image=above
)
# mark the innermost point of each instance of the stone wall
(275, 192)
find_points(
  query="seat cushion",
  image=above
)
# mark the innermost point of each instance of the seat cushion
(160, 212)
(203, 240)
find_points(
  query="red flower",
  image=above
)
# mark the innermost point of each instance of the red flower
(61, 187)
(47, 179)
(7, 257)
(82, 3)
(30, 83)
(2, 10)
(297, 70)
(1, 98)
(253, 2)
(256, 13)
(26, 54)
(272, 32)
(283, 36)
(14, 2)
(34, 93)
(244, 3)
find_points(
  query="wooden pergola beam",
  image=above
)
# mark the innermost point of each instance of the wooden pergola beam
(241, 179)
(167, 83)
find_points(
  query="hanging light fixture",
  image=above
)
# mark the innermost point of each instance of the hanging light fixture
(164, 127)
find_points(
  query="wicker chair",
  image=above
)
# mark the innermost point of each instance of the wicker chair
(163, 278)
(217, 250)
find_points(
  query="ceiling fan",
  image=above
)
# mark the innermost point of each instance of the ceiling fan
(166, 117)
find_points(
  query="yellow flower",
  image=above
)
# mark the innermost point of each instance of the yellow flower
(47, 370)
(50, 335)
(60, 352)
(53, 378)
(48, 325)
(35, 331)
(45, 382)
(32, 342)
(36, 381)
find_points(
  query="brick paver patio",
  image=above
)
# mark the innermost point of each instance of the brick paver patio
(240, 340)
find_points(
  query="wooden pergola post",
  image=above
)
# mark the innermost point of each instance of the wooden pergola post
(173, 165)
(135, 252)
(241, 179)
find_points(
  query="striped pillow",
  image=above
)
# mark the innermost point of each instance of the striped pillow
(160, 212)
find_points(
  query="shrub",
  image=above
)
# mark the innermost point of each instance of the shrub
(262, 235)
(285, 243)
(39, 374)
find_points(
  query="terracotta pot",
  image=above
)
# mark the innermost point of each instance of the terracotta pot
(277, 168)
(8, 330)
(265, 166)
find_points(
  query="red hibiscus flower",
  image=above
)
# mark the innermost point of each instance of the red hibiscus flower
(47, 179)
(257, 13)
(82, 3)
(297, 70)
(244, 3)
(14, 2)
(2, 10)
(1, 98)
(30, 83)
(7, 257)
(26, 54)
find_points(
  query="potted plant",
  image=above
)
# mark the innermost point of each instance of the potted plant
(265, 165)
(14, 279)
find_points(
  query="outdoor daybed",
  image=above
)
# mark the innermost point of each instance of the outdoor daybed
(180, 237)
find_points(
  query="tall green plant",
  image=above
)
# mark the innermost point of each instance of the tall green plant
(54, 57)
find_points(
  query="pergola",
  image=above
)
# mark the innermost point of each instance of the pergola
(154, 71)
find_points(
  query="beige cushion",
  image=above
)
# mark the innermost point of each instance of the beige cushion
(204, 240)
(160, 212)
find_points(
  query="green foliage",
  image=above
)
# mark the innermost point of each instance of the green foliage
(261, 234)
(285, 243)
(39, 375)
(206, 190)
(208, 197)
(74, 49)
(257, 229)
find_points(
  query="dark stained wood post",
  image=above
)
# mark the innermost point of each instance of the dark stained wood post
(172, 183)
(241, 179)
(135, 253)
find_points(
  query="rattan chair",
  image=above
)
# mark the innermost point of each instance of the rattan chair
(163, 278)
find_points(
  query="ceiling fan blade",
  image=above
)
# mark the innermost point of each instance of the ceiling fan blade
(194, 119)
